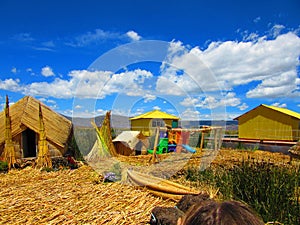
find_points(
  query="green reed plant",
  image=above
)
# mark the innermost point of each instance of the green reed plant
(271, 190)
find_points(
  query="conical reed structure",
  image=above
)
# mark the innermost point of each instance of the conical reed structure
(103, 147)
(9, 149)
(44, 159)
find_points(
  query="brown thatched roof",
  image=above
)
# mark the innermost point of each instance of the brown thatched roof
(25, 114)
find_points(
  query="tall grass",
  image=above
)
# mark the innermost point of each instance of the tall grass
(272, 191)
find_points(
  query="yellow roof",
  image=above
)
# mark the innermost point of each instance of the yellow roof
(278, 109)
(155, 114)
(285, 111)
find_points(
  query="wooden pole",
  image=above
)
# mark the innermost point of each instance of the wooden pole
(202, 140)
(154, 156)
(215, 140)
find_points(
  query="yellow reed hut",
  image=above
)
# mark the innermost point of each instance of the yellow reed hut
(269, 123)
(147, 122)
(25, 128)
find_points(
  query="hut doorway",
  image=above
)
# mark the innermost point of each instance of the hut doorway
(29, 143)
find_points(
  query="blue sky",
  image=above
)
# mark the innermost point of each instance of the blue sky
(194, 59)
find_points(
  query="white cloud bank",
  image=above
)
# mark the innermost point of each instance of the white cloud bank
(212, 102)
(225, 65)
(84, 84)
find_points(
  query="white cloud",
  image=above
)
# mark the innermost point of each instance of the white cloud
(129, 82)
(243, 106)
(42, 99)
(78, 107)
(172, 84)
(47, 71)
(156, 107)
(84, 84)
(276, 30)
(190, 114)
(51, 101)
(149, 98)
(225, 65)
(281, 105)
(285, 84)
(211, 102)
(189, 101)
(251, 37)
(11, 85)
(133, 35)
(29, 70)
(257, 19)
(14, 70)
(101, 111)
(99, 36)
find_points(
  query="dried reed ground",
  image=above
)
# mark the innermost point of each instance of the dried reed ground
(71, 197)
(76, 197)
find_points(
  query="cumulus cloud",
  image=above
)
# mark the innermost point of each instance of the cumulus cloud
(212, 102)
(133, 35)
(190, 114)
(84, 84)
(225, 65)
(283, 85)
(189, 101)
(11, 85)
(47, 71)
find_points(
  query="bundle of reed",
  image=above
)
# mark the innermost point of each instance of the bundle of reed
(160, 187)
(44, 159)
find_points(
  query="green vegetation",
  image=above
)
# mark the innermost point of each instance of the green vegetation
(84, 139)
(272, 191)
(74, 150)
(3, 166)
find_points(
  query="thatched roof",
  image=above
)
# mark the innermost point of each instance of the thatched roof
(25, 114)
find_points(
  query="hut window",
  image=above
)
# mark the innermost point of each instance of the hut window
(158, 123)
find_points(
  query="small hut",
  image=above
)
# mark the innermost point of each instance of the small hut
(148, 122)
(25, 128)
(131, 143)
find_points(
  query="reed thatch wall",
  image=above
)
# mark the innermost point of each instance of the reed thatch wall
(25, 114)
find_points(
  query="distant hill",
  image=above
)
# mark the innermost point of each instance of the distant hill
(117, 121)
(122, 122)
(230, 124)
